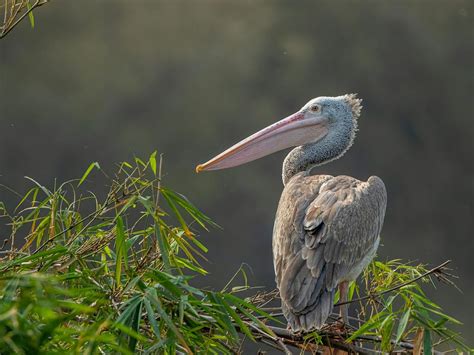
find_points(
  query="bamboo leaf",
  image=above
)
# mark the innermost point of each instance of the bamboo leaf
(427, 350)
(129, 331)
(152, 318)
(30, 14)
(129, 308)
(135, 325)
(386, 332)
(152, 161)
(224, 316)
(44, 189)
(153, 298)
(402, 324)
(130, 202)
(178, 215)
(373, 323)
(352, 288)
(120, 251)
(88, 171)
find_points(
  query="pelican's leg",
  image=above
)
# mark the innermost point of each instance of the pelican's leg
(344, 309)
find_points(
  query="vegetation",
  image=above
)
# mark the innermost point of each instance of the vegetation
(115, 275)
(14, 11)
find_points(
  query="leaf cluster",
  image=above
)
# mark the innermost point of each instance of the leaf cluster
(398, 311)
(112, 275)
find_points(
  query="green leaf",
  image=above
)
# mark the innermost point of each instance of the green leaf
(194, 212)
(121, 252)
(139, 161)
(425, 312)
(52, 253)
(178, 215)
(88, 171)
(152, 318)
(30, 14)
(386, 332)
(352, 288)
(153, 298)
(130, 202)
(247, 307)
(373, 323)
(45, 190)
(152, 161)
(160, 237)
(225, 315)
(402, 324)
(129, 331)
(135, 326)
(129, 308)
(427, 349)
(34, 190)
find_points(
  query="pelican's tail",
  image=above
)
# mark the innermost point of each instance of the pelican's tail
(312, 317)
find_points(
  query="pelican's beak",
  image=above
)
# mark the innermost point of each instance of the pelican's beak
(291, 131)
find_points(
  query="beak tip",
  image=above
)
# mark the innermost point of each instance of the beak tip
(199, 168)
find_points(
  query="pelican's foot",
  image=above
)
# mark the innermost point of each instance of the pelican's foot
(339, 326)
(295, 332)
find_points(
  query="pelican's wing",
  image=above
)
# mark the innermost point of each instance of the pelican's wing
(331, 235)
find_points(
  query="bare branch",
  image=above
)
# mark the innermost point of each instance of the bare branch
(10, 21)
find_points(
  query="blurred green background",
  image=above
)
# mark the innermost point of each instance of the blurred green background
(106, 80)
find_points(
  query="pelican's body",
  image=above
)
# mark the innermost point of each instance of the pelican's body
(326, 232)
(326, 228)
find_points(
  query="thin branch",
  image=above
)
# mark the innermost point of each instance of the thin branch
(231, 350)
(285, 348)
(7, 26)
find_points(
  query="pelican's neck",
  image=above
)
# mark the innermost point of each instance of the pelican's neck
(329, 148)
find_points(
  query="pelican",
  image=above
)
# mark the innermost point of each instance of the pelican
(327, 228)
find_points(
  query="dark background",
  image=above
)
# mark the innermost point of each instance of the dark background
(106, 80)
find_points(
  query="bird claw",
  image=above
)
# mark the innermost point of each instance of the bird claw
(294, 332)
(339, 326)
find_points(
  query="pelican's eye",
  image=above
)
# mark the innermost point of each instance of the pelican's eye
(315, 108)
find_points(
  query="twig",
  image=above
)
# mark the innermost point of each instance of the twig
(231, 350)
(402, 344)
(7, 27)
(285, 348)
(270, 343)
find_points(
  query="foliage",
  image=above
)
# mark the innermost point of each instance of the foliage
(114, 279)
(110, 275)
(398, 308)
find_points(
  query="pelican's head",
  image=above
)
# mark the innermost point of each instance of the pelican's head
(321, 118)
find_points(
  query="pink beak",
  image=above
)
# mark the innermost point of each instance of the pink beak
(291, 131)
